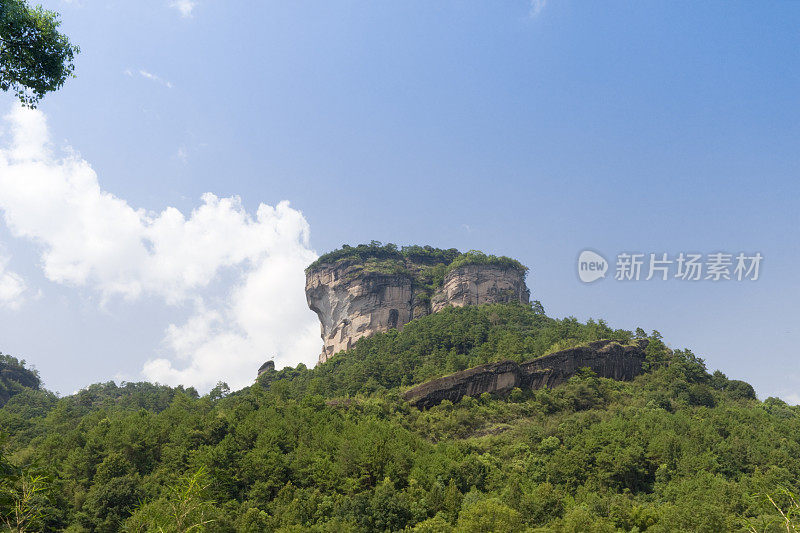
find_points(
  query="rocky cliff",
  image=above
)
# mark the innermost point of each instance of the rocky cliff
(606, 358)
(480, 284)
(355, 296)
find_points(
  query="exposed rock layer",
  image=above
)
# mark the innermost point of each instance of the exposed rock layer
(268, 366)
(480, 284)
(352, 302)
(606, 358)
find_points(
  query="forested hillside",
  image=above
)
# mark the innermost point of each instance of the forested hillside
(15, 378)
(336, 449)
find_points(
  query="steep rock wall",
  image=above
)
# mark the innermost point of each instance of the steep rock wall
(606, 358)
(480, 284)
(352, 302)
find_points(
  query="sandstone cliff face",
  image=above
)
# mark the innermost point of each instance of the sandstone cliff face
(352, 302)
(480, 284)
(606, 358)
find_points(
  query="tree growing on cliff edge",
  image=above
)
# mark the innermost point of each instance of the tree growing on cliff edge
(35, 58)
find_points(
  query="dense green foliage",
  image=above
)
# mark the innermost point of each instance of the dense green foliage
(476, 257)
(15, 378)
(445, 342)
(34, 57)
(378, 251)
(408, 259)
(336, 449)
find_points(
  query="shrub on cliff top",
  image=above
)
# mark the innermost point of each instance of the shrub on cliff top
(476, 257)
(360, 253)
(378, 253)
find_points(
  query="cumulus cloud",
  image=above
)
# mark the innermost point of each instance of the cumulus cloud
(12, 287)
(185, 7)
(91, 238)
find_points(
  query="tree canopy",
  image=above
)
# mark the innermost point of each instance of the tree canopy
(389, 254)
(336, 449)
(35, 58)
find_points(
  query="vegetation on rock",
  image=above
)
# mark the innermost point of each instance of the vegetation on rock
(419, 262)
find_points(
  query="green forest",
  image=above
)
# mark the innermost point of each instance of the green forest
(336, 449)
(382, 257)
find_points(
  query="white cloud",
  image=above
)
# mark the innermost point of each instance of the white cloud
(185, 7)
(12, 287)
(148, 76)
(536, 7)
(91, 238)
(792, 398)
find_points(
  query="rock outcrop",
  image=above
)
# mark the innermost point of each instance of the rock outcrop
(268, 366)
(606, 358)
(480, 284)
(352, 301)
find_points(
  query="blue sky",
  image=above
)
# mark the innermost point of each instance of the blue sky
(534, 131)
